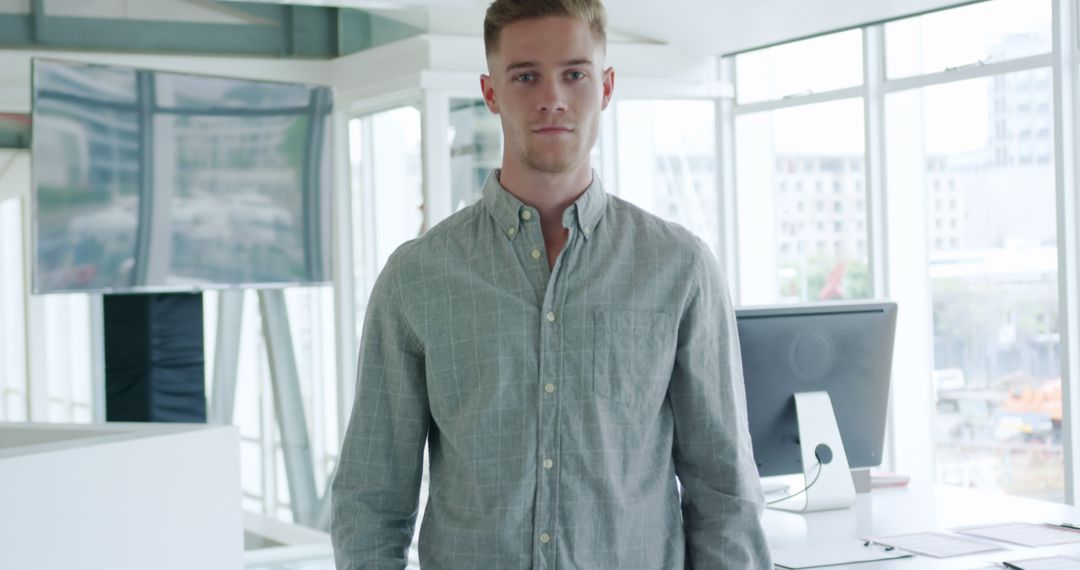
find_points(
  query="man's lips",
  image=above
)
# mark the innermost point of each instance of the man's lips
(552, 130)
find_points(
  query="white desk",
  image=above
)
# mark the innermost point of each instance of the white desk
(920, 508)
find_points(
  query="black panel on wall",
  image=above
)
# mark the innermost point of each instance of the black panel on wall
(154, 362)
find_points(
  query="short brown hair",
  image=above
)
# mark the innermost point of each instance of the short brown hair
(504, 12)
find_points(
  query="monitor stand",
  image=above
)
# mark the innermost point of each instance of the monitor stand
(825, 465)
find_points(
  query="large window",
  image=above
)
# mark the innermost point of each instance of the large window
(666, 157)
(311, 320)
(984, 150)
(967, 116)
(61, 326)
(826, 63)
(802, 199)
(979, 34)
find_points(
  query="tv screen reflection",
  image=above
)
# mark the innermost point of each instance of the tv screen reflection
(155, 181)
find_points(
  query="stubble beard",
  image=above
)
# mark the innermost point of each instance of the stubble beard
(561, 159)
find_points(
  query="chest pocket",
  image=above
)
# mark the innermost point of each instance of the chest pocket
(633, 355)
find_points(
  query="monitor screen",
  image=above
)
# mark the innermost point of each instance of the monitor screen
(149, 181)
(844, 349)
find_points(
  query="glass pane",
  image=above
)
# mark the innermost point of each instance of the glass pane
(399, 201)
(800, 68)
(12, 331)
(667, 162)
(253, 414)
(988, 174)
(67, 332)
(311, 322)
(387, 192)
(985, 32)
(475, 149)
(802, 204)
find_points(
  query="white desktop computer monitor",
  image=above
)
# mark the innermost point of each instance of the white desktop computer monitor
(840, 355)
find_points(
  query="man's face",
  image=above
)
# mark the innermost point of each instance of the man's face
(548, 85)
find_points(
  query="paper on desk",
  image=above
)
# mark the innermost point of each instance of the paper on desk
(1051, 563)
(822, 555)
(936, 544)
(1024, 534)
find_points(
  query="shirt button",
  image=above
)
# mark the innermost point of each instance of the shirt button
(549, 388)
(536, 254)
(545, 537)
(551, 317)
(526, 215)
(548, 463)
(511, 231)
(588, 231)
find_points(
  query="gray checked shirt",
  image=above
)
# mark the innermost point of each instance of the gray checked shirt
(559, 405)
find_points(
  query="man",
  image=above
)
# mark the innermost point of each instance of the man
(564, 355)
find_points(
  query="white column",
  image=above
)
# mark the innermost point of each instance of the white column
(435, 126)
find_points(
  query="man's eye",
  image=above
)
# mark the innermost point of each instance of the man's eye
(576, 75)
(524, 77)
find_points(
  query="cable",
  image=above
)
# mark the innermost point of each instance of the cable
(804, 489)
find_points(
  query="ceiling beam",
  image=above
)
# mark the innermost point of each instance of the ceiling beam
(282, 31)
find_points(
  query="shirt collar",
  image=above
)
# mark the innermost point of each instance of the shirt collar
(508, 212)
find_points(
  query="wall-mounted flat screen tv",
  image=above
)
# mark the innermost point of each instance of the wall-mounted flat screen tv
(152, 181)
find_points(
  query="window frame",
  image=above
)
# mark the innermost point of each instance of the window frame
(905, 450)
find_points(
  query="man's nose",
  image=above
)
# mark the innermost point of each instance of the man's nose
(552, 98)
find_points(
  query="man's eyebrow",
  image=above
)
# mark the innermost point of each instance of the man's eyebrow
(532, 64)
(521, 65)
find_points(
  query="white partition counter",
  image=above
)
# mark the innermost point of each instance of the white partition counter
(120, 496)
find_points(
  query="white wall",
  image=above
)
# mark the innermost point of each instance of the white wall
(124, 496)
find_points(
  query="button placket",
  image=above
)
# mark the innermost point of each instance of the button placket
(547, 513)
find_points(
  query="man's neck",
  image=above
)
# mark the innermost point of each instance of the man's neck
(550, 193)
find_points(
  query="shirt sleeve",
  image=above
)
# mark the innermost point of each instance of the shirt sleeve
(722, 502)
(375, 492)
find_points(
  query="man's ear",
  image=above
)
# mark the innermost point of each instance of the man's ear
(609, 86)
(487, 87)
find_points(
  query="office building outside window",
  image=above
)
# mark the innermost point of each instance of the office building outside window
(968, 124)
(786, 159)
(986, 150)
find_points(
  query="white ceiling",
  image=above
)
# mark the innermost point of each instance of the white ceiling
(699, 26)
(714, 27)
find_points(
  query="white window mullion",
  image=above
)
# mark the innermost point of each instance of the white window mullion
(1066, 161)
(876, 203)
(436, 158)
(972, 72)
(344, 273)
(727, 199)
